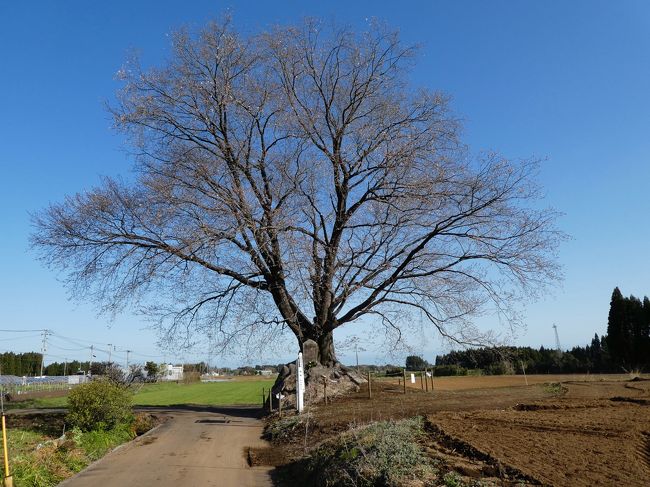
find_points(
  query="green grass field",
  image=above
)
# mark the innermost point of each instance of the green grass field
(211, 393)
(234, 392)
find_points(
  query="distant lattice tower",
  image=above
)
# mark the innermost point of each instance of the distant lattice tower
(558, 347)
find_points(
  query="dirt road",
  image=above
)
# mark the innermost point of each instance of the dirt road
(199, 447)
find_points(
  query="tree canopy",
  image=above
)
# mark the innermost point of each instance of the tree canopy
(295, 180)
(628, 331)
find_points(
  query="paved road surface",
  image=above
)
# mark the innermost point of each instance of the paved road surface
(199, 447)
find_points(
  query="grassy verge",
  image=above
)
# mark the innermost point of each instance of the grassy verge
(40, 403)
(169, 394)
(38, 459)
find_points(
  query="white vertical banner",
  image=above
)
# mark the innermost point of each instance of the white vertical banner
(412, 378)
(300, 384)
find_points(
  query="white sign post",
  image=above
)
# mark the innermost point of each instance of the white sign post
(412, 378)
(300, 384)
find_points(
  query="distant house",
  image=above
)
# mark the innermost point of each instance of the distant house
(265, 372)
(173, 372)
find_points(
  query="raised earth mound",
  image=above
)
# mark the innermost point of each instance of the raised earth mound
(320, 380)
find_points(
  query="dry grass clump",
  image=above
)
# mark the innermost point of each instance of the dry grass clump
(386, 453)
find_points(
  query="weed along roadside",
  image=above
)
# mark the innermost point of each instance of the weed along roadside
(7, 477)
(46, 448)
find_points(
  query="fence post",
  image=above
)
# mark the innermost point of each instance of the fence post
(369, 387)
(270, 400)
(421, 380)
(524, 370)
(263, 398)
(325, 389)
(426, 381)
(404, 378)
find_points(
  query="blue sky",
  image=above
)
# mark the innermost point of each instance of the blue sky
(564, 81)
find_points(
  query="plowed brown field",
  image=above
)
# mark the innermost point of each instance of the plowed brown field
(597, 433)
(558, 430)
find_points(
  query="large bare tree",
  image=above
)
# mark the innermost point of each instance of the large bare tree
(295, 179)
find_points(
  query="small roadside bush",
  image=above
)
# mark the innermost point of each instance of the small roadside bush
(99, 405)
(282, 428)
(142, 422)
(500, 368)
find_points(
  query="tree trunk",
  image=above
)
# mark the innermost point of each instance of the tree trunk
(326, 353)
(340, 379)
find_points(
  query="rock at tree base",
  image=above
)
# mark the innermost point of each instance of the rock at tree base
(340, 380)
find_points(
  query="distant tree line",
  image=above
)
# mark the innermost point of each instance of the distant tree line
(76, 367)
(514, 360)
(29, 364)
(625, 347)
(20, 364)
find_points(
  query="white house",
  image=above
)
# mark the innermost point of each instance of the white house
(173, 372)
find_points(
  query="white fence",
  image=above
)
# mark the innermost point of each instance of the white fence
(14, 385)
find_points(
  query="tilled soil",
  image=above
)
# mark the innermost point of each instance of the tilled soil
(581, 439)
(590, 431)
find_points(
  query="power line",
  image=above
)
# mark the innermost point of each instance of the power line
(50, 339)
(68, 349)
(22, 331)
(22, 337)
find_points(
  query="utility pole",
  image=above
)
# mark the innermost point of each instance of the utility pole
(44, 349)
(65, 366)
(110, 349)
(557, 340)
(90, 364)
(127, 359)
(356, 352)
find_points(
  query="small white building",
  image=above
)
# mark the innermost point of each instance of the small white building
(173, 372)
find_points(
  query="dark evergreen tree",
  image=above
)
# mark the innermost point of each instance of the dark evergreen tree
(644, 335)
(637, 336)
(628, 330)
(619, 336)
(596, 354)
(414, 362)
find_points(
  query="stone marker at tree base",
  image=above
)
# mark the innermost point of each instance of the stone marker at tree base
(310, 352)
(341, 379)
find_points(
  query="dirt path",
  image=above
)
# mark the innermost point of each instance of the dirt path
(199, 447)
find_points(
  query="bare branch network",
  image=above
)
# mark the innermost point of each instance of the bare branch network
(294, 179)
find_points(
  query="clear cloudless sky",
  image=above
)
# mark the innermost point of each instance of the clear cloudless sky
(567, 81)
